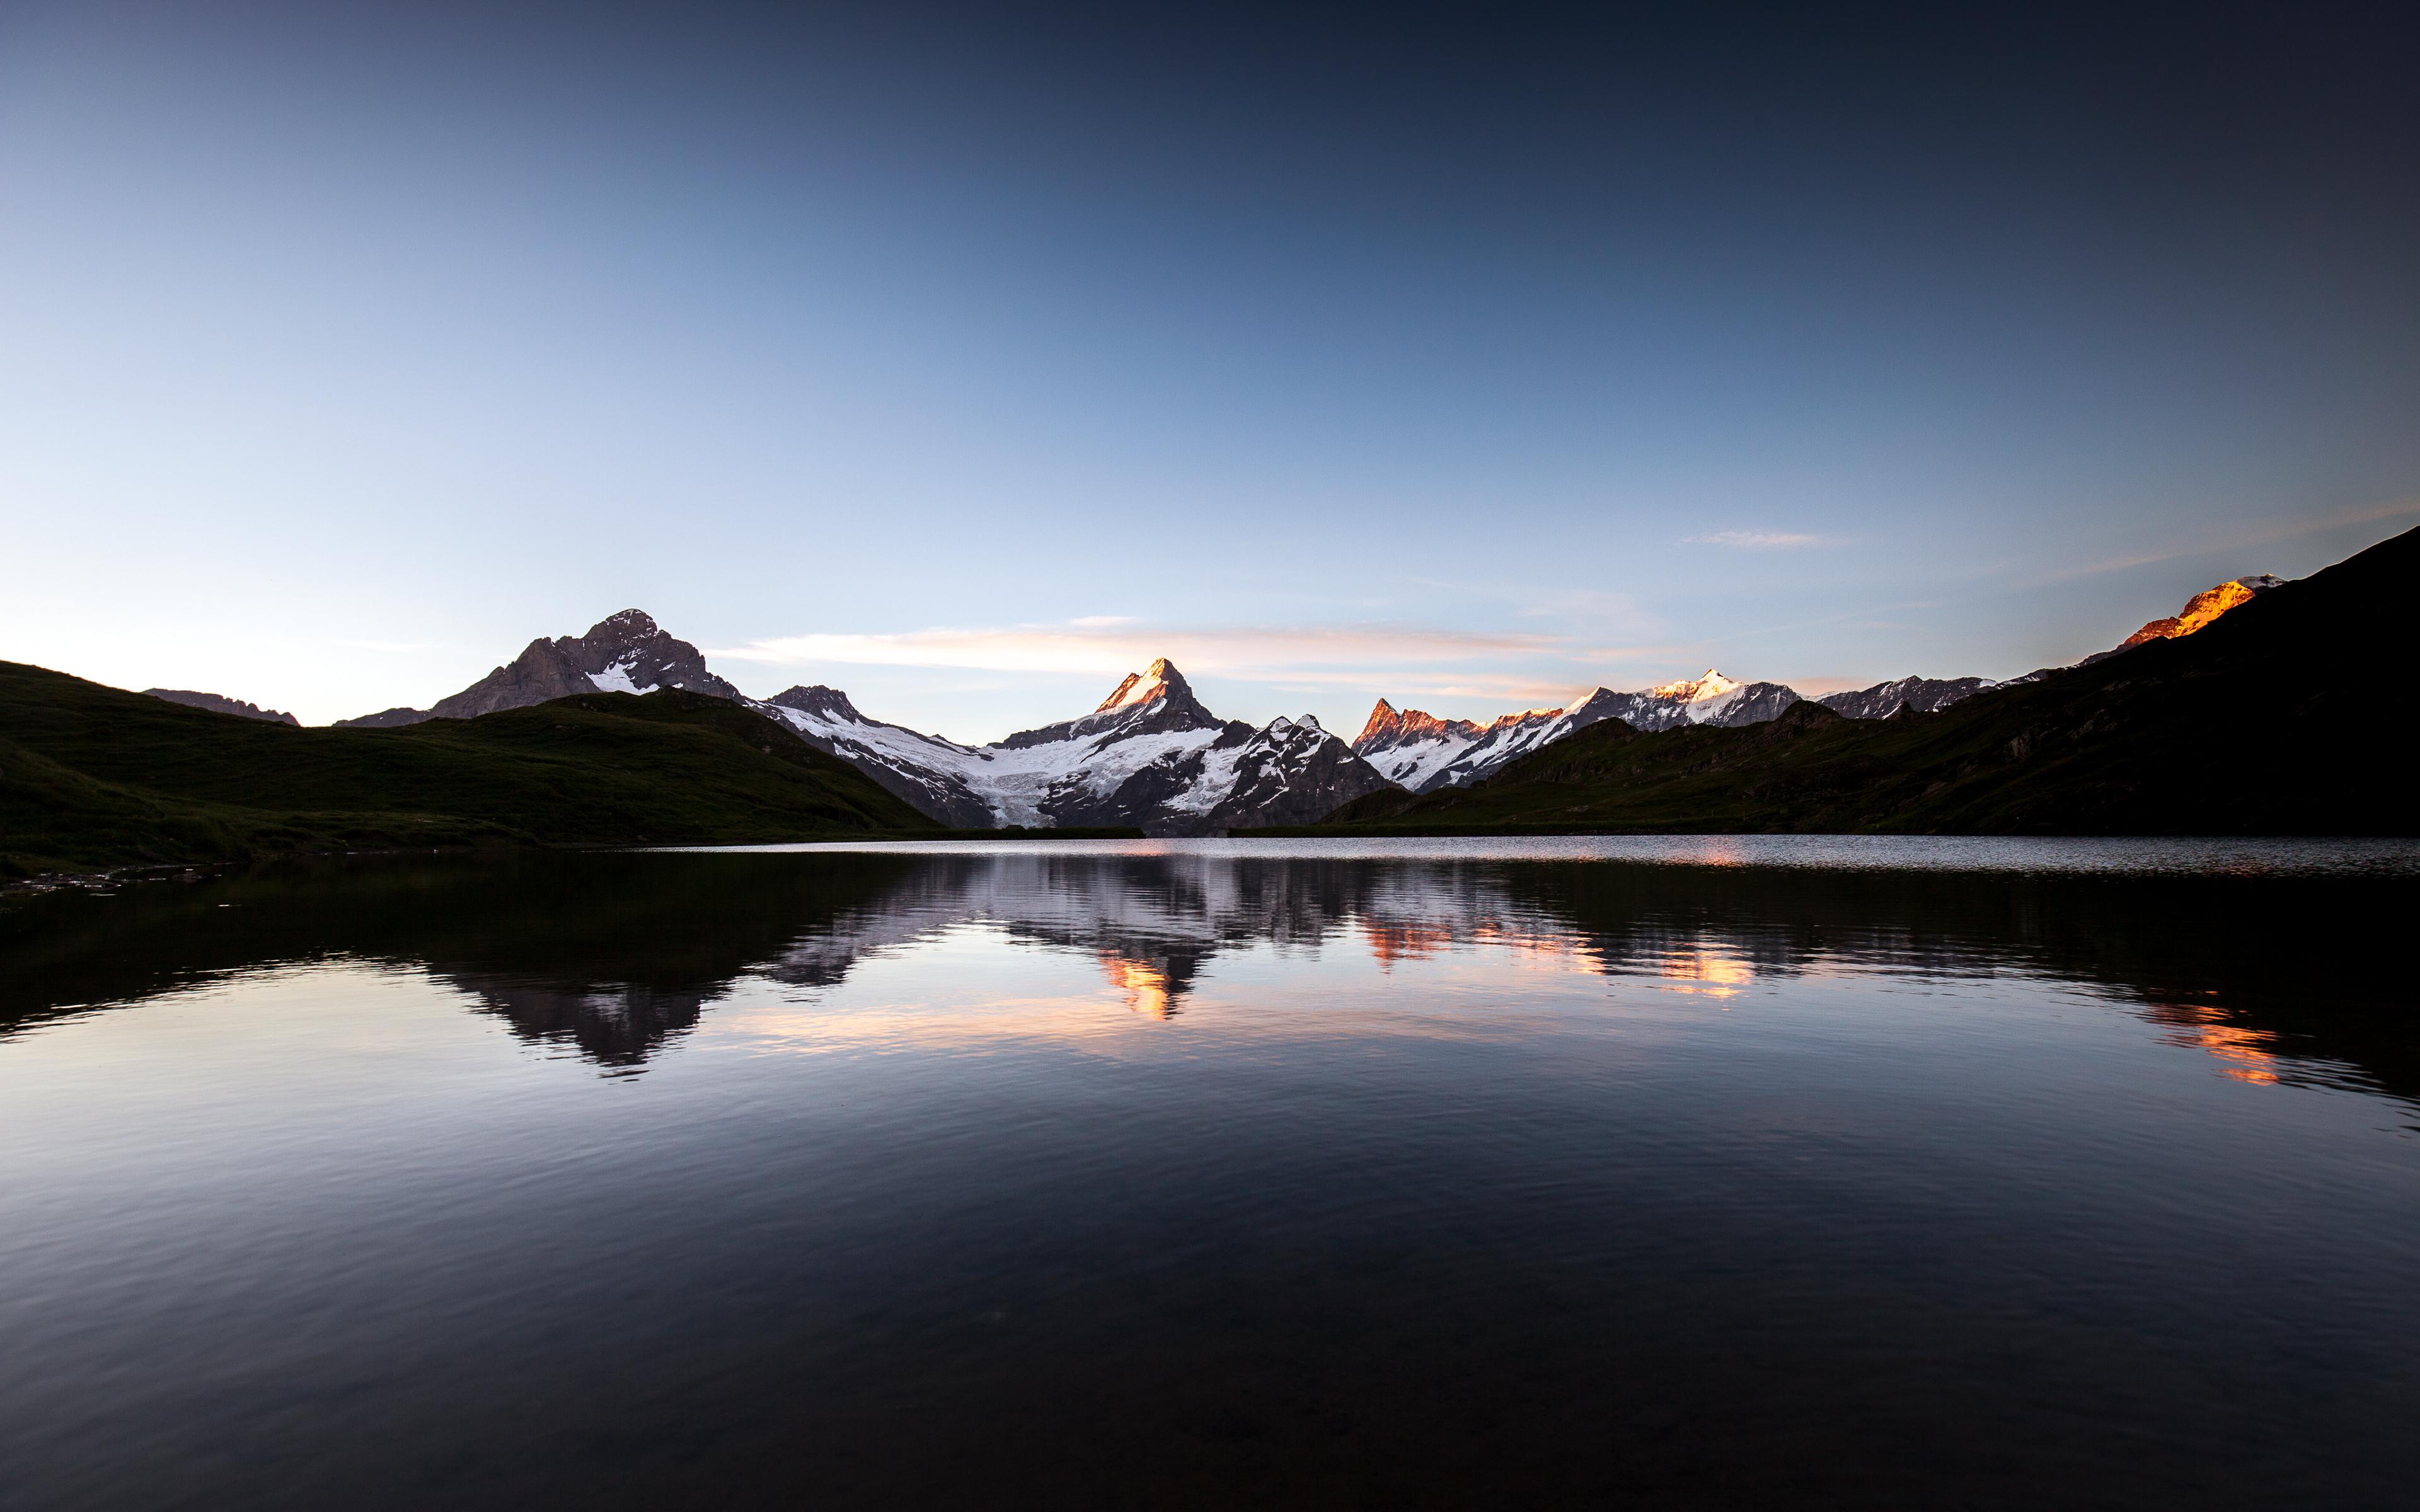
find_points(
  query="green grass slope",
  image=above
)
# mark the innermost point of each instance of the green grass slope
(93, 776)
(2286, 717)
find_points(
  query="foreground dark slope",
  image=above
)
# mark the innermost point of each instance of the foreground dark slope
(2281, 719)
(92, 775)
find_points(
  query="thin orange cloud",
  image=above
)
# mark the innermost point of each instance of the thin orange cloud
(1108, 644)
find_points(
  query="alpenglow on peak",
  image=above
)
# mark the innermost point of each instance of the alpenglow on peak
(1158, 680)
(1711, 684)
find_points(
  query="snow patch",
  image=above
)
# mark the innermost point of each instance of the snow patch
(616, 679)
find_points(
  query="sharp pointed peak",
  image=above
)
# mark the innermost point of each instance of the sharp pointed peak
(1157, 681)
(1384, 716)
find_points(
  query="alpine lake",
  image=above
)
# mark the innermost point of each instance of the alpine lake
(1742, 1172)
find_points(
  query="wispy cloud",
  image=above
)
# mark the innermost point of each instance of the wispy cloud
(1113, 644)
(1756, 540)
(2252, 533)
(1815, 687)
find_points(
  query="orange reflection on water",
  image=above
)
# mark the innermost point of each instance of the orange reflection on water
(2243, 1053)
(1144, 985)
(1390, 941)
(1393, 942)
(1551, 950)
(1706, 973)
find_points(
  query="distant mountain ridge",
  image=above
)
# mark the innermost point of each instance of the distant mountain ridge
(219, 703)
(1923, 694)
(1422, 753)
(2152, 740)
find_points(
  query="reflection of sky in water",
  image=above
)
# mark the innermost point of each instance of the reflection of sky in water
(1158, 921)
(1429, 933)
(907, 1178)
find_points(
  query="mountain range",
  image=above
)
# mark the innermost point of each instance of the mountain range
(1150, 756)
(219, 705)
(1419, 752)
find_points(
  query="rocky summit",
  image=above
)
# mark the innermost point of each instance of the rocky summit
(625, 653)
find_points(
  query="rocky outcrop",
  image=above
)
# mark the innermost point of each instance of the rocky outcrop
(625, 653)
(219, 703)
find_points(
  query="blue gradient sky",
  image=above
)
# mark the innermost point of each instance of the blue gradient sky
(1468, 356)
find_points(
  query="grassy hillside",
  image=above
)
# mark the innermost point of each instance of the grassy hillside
(2283, 717)
(93, 776)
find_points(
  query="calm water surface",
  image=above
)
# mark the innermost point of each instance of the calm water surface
(1742, 1172)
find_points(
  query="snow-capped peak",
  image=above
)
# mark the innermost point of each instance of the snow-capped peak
(1286, 725)
(1711, 684)
(1154, 681)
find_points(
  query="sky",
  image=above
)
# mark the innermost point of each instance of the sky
(967, 357)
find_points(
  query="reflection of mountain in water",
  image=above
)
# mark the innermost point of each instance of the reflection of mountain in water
(612, 1025)
(612, 956)
(608, 955)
